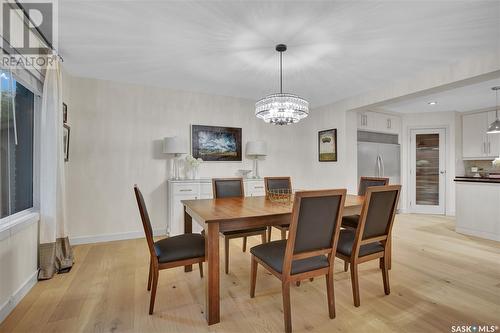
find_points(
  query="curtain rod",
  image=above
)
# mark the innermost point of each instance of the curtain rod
(49, 44)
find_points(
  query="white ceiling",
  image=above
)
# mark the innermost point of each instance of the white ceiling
(468, 98)
(337, 49)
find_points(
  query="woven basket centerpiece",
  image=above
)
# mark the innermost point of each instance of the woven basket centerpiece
(281, 195)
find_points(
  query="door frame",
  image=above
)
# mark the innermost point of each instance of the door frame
(423, 209)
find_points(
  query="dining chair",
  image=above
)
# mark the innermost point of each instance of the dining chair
(351, 221)
(230, 188)
(310, 248)
(277, 183)
(371, 239)
(169, 252)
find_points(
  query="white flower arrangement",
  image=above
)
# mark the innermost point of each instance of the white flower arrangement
(193, 162)
(496, 162)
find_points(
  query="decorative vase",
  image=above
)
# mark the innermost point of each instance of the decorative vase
(195, 172)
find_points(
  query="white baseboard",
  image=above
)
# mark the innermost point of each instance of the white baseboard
(113, 237)
(7, 307)
(478, 233)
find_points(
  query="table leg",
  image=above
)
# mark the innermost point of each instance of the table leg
(212, 283)
(188, 229)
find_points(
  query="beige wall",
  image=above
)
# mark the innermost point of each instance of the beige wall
(116, 133)
(18, 263)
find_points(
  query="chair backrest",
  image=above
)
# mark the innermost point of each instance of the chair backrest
(146, 223)
(377, 215)
(365, 182)
(315, 225)
(277, 183)
(227, 187)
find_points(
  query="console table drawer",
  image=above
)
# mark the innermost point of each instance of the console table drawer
(185, 189)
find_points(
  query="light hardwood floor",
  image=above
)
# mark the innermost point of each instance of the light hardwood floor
(438, 278)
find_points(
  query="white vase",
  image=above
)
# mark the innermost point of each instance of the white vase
(195, 172)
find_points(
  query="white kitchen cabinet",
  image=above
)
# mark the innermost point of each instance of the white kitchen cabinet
(493, 139)
(476, 143)
(179, 190)
(378, 122)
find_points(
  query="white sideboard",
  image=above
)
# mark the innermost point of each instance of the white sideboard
(191, 189)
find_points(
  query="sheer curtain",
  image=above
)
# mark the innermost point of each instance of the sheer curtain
(55, 252)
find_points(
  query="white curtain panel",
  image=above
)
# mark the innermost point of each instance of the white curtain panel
(54, 250)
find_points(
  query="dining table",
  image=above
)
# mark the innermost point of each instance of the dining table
(228, 214)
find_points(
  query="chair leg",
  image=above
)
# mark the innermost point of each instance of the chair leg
(201, 269)
(226, 254)
(330, 294)
(355, 284)
(269, 229)
(385, 275)
(388, 250)
(346, 265)
(285, 289)
(283, 234)
(153, 290)
(264, 237)
(150, 276)
(244, 244)
(253, 277)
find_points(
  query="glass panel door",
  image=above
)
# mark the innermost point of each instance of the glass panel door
(427, 171)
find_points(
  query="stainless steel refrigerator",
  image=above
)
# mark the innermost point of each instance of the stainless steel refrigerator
(378, 159)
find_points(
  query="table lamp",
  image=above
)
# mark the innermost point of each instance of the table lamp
(255, 149)
(174, 146)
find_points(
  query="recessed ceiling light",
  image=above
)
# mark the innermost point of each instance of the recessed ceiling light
(432, 103)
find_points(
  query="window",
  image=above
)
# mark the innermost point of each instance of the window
(16, 145)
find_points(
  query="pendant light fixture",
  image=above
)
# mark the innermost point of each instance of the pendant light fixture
(281, 108)
(495, 126)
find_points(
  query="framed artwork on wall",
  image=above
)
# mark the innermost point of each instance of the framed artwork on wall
(213, 143)
(66, 131)
(327, 145)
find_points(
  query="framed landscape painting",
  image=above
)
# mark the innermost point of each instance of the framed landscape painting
(212, 143)
(327, 145)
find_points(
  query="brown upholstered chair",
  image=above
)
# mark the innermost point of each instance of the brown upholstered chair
(310, 248)
(169, 252)
(230, 188)
(277, 183)
(370, 241)
(351, 221)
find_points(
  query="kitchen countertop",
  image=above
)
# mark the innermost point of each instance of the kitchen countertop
(472, 179)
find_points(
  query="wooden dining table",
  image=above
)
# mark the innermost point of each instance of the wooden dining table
(218, 215)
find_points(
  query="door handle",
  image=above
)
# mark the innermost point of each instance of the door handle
(442, 172)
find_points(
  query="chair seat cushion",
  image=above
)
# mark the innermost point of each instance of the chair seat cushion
(244, 231)
(180, 247)
(350, 221)
(273, 254)
(346, 241)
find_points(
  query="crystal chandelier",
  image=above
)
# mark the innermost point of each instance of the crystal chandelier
(281, 108)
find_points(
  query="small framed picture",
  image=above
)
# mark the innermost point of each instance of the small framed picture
(327, 145)
(65, 113)
(66, 131)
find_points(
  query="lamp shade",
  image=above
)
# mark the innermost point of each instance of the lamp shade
(174, 145)
(494, 128)
(256, 148)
